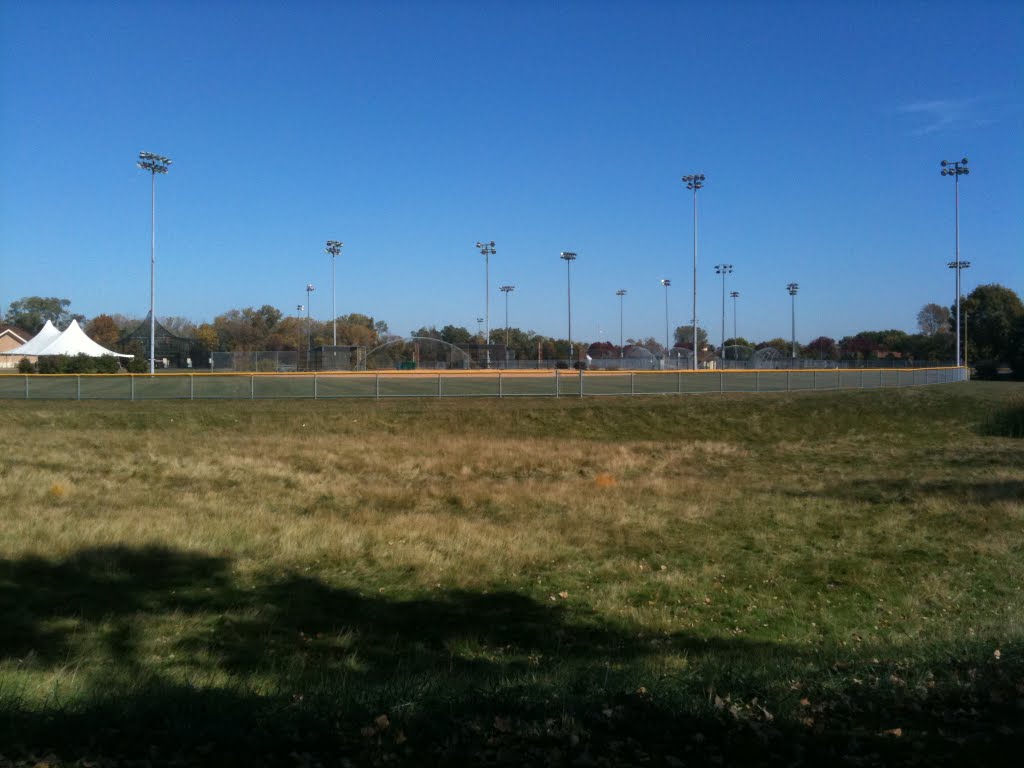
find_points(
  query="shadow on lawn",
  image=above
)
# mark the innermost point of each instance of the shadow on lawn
(464, 678)
(888, 491)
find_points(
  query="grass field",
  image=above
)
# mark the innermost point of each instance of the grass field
(778, 579)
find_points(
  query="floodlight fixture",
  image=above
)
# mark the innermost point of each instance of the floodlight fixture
(723, 270)
(309, 328)
(694, 181)
(956, 169)
(733, 295)
(569, 257)
(666, 282)
(793, 288)
(620, 293)
(506, 289)
(487, 249)
(154, 164)
(334, 249)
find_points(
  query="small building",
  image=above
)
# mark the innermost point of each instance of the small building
(12, 338)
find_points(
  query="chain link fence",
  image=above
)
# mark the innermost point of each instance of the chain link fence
(556, 383)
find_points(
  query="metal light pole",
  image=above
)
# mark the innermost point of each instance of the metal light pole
(298, 340)
(666, 282)
(694, 181)
(793, 288)
(154, 164)
(333, 248)
(506, 289)
(956, 169)
(622, 349)
(959, 266)
(309, 330)
(569, 258)
(735, 295)
(488, 250)
(723, 270)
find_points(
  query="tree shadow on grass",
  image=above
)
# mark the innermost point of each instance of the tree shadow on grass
(889, 491)
(177, 660)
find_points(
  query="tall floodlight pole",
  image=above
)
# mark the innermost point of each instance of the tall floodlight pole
(300, 308)
(488, 250)
(694, 182)
(793, 288)
(309, 327)
(956, 169)
(958, 266)
(334, 249)
(569, 258)
(622, 349)
(506, 289)
(154, 164)
(734, 295)
(666, 282)
(723, 270)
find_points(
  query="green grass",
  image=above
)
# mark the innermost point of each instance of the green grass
(770, 579)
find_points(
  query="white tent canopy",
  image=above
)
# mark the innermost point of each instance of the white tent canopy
(37, 343)
(72, 342)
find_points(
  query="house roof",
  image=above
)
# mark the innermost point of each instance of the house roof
(15, 333)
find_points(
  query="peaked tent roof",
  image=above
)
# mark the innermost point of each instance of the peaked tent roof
(46, 336)
(74, 342)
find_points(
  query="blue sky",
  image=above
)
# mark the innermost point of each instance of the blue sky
(410, 130)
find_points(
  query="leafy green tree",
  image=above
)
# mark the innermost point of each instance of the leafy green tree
(1016, 352)
(103, 329)
(32, 312)
(246, 329)
(684, 337)
(821, 348)
(933, 318)
(458, 335)
(205, 338)
(784, 346)
(991, 313)
(427, 332)
(739, 341)
(179, 326)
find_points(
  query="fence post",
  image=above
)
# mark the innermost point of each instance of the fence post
(499, 385)
(862, 378)
(556, 382)
(632, 387)
(314, 386)
(78, 387)
(581, 382)
(814, 379)
(679, 382)
(131, 379)
(252, 386)
(26, 386)
(788, 371)
(191, 386)
(757, 381)
(721, 381)
(438, 384)
(376, 386)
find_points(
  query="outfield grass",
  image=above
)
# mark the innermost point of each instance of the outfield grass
(768, 579)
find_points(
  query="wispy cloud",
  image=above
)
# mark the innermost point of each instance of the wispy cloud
(939, 114)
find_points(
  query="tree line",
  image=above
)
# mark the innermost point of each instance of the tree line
(992, 324)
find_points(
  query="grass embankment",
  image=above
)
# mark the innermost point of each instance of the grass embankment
(774, 579)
